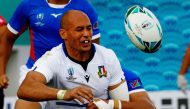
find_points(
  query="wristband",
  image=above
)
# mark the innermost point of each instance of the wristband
(117, 104)
(111, 104)
(61, 94)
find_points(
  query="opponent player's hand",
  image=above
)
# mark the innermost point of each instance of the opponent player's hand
(4, 81)
(182, 82)
(80, 93)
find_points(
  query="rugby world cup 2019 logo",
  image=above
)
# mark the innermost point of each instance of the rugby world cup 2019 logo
(39, 18)
(71, 73)
(102, 71)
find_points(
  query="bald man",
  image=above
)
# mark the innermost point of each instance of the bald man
(80, 74)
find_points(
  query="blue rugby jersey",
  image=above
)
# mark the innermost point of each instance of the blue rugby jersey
(43, 21)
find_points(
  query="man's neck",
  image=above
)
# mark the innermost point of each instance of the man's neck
(77, 55)
(59, 2)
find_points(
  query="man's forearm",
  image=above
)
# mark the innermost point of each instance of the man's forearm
(141, 104)
(36, 92)
(34, 88)
(119, 104)
(185, 62)
(7, 40)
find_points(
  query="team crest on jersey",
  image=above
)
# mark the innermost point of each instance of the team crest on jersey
(135, 84)
(39, 18)
(71, 73)
(102, 71)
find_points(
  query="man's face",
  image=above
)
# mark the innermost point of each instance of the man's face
(79, 34)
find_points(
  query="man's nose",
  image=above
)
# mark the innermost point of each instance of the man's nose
(86, 33)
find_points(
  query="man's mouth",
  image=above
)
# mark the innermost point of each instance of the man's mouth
(86, 41)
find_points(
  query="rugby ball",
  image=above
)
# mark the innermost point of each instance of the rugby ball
(143, 29)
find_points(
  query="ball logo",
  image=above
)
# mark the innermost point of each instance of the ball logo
(147, 25)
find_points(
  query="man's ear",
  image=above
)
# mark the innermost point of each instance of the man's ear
(63, 34)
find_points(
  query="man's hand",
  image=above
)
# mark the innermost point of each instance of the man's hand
(182, 82)
(102, 104)
(4, 81)
(80, 93)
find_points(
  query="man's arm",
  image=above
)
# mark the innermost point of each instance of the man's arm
(182, 81)
(34, 88)
(7, 40)
(138, 100)
(185, 62)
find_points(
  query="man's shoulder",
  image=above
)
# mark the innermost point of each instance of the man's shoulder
(102, 49)
(79, 1)
(34, 2)
(106, 53)
(55, 51)
(84, 4)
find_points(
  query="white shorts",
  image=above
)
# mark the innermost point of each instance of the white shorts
(23, 72)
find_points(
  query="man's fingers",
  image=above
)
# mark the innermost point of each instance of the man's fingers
(86, 94)
(79, 98)
(4, 82)
(83, 95)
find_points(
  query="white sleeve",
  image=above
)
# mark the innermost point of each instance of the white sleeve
(116, 72)
(46, 65)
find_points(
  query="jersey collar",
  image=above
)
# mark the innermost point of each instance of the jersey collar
(66, 54)
(56, 5)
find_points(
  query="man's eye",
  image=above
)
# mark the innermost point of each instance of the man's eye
(89, 27)
(79, 29)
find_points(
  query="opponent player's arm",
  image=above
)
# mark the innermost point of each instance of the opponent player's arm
(7, 40)
(182, 81)
(185, 62)
(34, 88)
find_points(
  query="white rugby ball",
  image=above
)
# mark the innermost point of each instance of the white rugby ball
(143, 29)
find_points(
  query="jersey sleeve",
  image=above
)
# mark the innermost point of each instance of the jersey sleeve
(133, 81)
(116, 73)
(18, 21)
(46, 65)
(93, 16)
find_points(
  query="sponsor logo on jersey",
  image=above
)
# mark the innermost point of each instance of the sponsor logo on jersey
(39, 18)
(87, 78)
(135, 84)
(56, 15)
(71, 73)
(102, 71)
